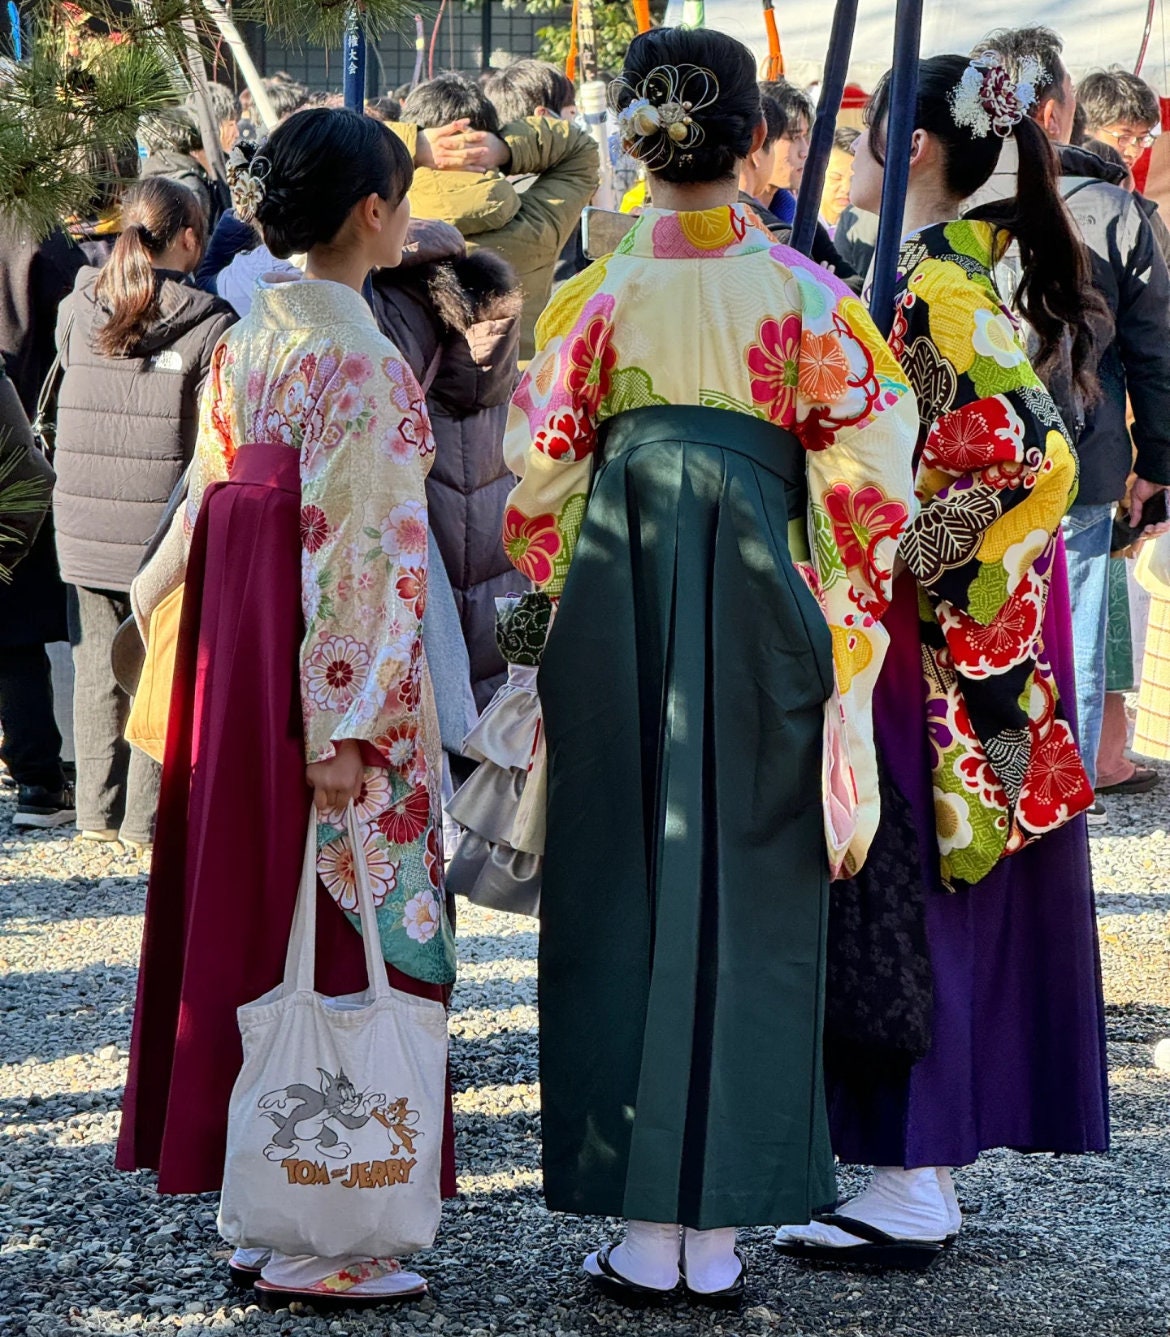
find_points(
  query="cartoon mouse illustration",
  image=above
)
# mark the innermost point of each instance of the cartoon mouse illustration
(306, 1114)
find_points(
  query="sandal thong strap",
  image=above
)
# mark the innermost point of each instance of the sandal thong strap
(871, 1234)
(612, 1274)
(737, 1287)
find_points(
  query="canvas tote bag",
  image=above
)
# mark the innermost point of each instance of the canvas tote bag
(335, 1126)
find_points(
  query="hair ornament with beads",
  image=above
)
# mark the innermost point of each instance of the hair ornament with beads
(986, 100)
(247, 173)
(661, 119)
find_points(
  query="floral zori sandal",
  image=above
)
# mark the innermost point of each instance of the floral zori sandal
(361, 1283)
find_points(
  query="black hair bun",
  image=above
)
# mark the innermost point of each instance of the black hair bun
(724, 123)
(315, 167)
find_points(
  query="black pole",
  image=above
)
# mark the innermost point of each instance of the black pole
(485, 35)
(812, 185)
(899, 131)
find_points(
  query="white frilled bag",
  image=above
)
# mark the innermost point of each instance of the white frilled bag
(335, 1127)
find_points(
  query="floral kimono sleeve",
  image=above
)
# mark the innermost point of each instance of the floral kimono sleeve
(552, 431)
(836, 385)
(364, 556)
(996, 474)
(214, 446)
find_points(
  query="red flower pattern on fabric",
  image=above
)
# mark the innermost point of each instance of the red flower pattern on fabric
(565, 435)
(774, 365)
(433, 856)
(980, 649)
(861, 518)
(411, 588)
(974, 436)
(406, 820)
(1056, 786)
(590, 362)
(399, 745)
(410, 688)
(314, 528)
(531, 544)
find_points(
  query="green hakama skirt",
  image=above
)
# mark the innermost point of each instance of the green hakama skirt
(683, 911)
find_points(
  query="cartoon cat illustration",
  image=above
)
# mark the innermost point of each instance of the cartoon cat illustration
(306, 1114)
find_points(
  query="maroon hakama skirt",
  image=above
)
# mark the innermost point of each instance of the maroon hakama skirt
(230, 836)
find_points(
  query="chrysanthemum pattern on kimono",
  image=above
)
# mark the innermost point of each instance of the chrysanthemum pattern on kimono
(309, 369)
(814, 364)
(996, 474)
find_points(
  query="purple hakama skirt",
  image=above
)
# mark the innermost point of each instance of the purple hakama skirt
(1017, 1057)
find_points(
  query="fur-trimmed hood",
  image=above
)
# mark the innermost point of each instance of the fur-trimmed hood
(461, 309)
(456, 319)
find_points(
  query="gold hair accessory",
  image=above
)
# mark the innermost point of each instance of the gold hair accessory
(660, 118)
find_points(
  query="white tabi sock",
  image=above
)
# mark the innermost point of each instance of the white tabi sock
(711, 1263)
(250, 1258)
(908, 1204)
(647, 1256)
(951, 1198)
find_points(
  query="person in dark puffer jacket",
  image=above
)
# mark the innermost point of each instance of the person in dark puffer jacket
(456, 319)
(136, 340)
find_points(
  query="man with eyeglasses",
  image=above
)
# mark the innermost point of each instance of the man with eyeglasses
(1120, 110)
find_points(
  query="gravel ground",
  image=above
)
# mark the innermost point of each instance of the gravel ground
(1080, 1246)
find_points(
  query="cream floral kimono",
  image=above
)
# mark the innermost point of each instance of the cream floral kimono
(812, 362)
(309, 369)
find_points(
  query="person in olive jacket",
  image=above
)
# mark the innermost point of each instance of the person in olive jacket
(136, 340)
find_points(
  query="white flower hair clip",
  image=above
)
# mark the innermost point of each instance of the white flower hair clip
(247, 183)
(986, 101)
(660, 118)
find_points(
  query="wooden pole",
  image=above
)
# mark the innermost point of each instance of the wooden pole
(774, 67)
(587, 41)
(261, 102)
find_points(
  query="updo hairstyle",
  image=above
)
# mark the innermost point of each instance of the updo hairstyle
(315, 167)
(723, 121)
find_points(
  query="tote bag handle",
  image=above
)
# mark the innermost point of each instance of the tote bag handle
(300, 964)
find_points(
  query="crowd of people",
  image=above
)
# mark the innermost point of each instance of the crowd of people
(778, 664)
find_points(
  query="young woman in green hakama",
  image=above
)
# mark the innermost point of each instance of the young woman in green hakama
(715, 451)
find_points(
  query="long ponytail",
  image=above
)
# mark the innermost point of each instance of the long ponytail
(1056, 292)
(154, 212)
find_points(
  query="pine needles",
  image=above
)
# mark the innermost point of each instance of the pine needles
(68, 112)
(19, 497)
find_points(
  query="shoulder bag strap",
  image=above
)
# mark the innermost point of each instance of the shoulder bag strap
(49, 387)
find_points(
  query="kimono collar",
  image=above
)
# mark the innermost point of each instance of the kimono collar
(974, 238)
(702, 234)
(290, 303)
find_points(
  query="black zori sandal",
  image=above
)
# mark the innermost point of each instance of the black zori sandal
(878, 1249)
(627, 1292)
(729, 1298)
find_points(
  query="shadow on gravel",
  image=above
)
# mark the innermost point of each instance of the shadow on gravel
(48, 1107)
(70, 1005)
(52, 900)
(480, 947)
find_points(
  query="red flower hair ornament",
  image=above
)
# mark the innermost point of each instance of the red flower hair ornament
(987, 101)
